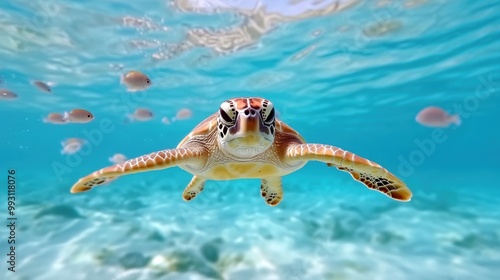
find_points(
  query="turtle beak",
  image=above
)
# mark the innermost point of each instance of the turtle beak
(250, 124)
(250, 130)
(247, 129)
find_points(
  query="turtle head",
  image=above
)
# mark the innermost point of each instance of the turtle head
(246, 126)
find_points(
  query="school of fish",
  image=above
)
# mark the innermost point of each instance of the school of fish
(133, 81)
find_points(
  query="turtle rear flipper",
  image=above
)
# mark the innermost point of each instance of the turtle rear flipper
(271, 190)
(193, 188)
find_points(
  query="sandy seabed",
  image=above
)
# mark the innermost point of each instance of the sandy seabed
(135, 229)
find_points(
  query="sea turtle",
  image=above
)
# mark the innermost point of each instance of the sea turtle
(244, 139)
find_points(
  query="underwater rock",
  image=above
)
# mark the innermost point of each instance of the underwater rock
(344, 228)
(210, 251)
(184, 261)
(156, 236)
(133, 260)
(134, 205)
(476, 241)
(470, 241)
(133, 229)
(386, 237)
(63, 211)
(310, 227)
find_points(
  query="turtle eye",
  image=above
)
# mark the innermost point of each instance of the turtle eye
(227, 112)
(268, 112)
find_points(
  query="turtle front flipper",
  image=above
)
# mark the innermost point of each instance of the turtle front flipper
(271, 190)
(154, 161)
(367, 172)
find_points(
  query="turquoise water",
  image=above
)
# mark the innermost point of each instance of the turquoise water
(352, 74)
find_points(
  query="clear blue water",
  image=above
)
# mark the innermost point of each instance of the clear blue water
(353, 75)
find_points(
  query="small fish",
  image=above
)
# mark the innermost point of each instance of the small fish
(141, 114)
(135, 81)
(117, 158)
(72, 145)
(45, 87)
(6, 94)
(165, 120)
(55, 118)
(182, 114)
(436, 117)
(78, 116)
(73, 140)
